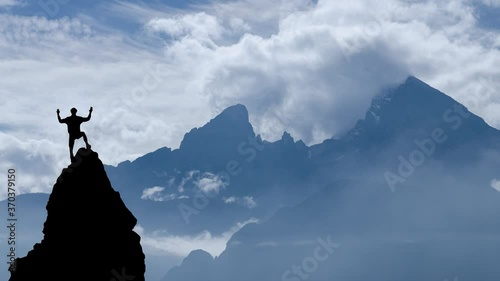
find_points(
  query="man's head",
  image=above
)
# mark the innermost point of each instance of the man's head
(73, 111)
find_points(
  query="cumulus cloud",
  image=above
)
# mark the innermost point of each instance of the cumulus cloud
(161, 242)
(33, 161)
(210, 183)
(395, 29)
(325, 60)
(271, 75)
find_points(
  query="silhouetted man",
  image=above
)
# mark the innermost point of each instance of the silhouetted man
(73, 123)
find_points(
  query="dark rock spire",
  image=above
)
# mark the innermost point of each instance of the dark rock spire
(88, 231)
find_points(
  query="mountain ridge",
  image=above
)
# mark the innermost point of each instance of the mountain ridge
(238, 115)
(443, 210)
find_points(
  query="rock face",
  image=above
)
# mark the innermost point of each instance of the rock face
(88, 231)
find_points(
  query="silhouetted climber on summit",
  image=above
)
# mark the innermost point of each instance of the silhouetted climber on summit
(73, 123)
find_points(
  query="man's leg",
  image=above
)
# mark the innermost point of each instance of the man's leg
(85, 140)
(71, 144)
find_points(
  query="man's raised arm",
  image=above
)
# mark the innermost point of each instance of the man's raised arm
(90, 115)
(59, 117)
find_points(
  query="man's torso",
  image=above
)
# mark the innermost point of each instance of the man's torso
(73, 123)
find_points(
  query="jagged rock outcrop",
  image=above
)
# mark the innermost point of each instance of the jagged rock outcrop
(88, 231)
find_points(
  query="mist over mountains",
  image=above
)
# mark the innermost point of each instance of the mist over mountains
(408, 193)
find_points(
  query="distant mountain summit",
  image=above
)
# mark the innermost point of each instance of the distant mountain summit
(218, 139)
(411, 111)
(414, 105)
(230, 126)
(88, 231)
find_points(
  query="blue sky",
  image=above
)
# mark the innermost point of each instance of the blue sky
(153, 70)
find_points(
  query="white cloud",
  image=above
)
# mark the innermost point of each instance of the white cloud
(186, 179)
(160, 242)
(30, 36)
(210, 183)
(50, 64)
(270, 13)
(246, 201)
(331, 45)
(249, 202)
(33, 161)
(495, 184)
(207, 183)
(326, 61)
(229, 200)
(199, 25)
(156, 194)
(152, 193)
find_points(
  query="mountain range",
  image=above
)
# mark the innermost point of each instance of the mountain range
(407, 193)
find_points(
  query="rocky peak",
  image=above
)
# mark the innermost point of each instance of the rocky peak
(88, 231)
